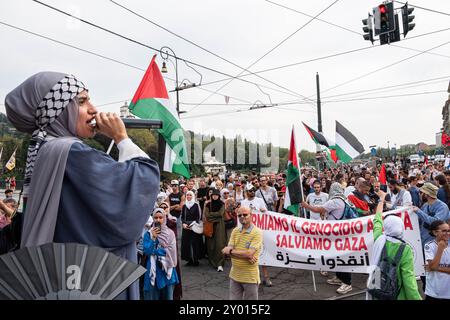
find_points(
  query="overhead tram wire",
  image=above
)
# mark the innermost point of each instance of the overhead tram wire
(387, 87)
(198, 46)
(417, 50)
(368, 94)
(383, 68)
(105, 57)
(310, 16)
(332, 56)
(426, 9)
(271, 50)
(386, 97)
(157, 50)
(241, 110)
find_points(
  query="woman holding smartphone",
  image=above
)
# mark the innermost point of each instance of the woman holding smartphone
(161, 249)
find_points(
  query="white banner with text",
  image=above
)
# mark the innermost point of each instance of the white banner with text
(328, 245)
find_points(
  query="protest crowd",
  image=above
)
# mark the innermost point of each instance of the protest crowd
(219, 203)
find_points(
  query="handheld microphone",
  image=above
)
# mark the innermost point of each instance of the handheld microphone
(133, 123)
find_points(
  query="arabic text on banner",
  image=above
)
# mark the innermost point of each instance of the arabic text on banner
(329, 245)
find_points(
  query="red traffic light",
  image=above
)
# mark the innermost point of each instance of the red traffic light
(382, 8)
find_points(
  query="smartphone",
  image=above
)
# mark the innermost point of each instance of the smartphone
(157, 225)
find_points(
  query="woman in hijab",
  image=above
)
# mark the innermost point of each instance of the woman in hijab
(190, 241)
(391, 239)
(160, 246)
(72, 192)
(171, 223)
(214, 211)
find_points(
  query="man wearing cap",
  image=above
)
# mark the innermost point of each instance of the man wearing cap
(256, 204)
(176, 201)
(433, 209)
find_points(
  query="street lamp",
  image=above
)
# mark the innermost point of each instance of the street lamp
(165, 56)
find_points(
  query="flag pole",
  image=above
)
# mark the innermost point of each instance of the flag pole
(300, 165)
(110, 147)
(300, 169)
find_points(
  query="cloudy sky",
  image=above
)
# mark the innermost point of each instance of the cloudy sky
(383, 93)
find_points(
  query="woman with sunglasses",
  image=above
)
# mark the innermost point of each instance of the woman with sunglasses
(437, 255)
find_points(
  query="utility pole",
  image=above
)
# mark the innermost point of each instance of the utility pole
(319, 120)
(319, 109)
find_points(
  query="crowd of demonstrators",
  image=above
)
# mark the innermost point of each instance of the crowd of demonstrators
(327, 195)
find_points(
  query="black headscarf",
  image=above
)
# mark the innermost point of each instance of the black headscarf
(215, 205)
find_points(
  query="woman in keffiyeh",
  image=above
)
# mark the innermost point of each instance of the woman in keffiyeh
(75, 193)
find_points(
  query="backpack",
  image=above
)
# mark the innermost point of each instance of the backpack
(387, 288)
(349, 211)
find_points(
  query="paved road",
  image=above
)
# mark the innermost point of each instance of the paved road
(205, 283)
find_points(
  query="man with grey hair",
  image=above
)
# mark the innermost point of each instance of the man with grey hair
(244, 248)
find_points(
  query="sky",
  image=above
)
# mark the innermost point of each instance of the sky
(270, 33)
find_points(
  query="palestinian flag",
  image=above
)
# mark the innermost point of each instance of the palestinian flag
(362, 207)
(293, 196)
(382, 176)
(331, 153)
(347, 146)
(318, 137)
(151, 101)
(322, 140)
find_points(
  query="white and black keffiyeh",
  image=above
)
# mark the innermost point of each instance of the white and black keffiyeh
(51, 106)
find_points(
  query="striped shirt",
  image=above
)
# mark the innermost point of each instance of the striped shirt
(241, 269)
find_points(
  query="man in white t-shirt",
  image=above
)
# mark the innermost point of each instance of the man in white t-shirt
(316, 199)
(252, 202)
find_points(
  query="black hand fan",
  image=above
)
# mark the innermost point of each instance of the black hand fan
(65, 271)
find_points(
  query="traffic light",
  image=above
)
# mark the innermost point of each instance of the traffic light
(368, 28)
(384, 18)
(407, 18)
(394, 36)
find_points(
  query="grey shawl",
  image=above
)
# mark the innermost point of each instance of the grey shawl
(44, 106)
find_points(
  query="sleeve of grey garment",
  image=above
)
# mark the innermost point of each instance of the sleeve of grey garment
(129, 150)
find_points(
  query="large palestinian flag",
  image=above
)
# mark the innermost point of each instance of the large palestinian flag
(151, 101)
(322, 140)
(347, 146)
(293, 196)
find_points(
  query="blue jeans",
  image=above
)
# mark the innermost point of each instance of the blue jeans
(165, 293)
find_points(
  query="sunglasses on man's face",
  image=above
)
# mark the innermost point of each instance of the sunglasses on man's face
(242, 215)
